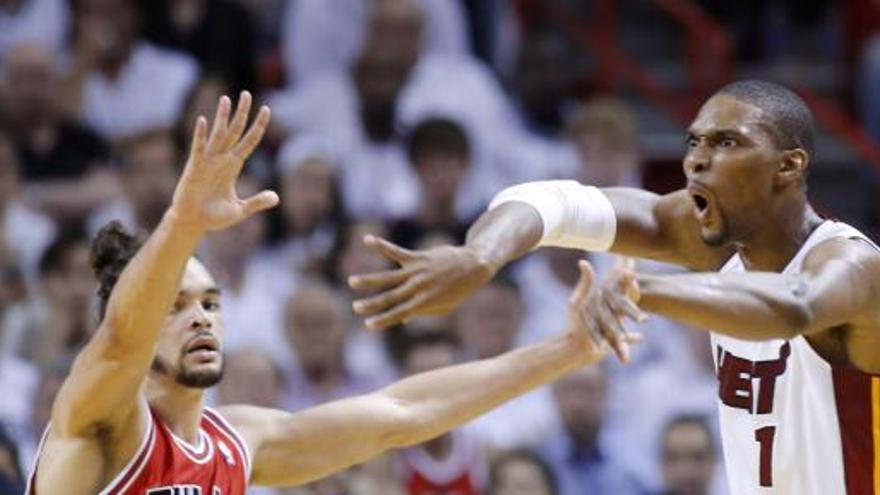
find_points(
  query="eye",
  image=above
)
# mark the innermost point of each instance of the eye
(177, 306)
(692, 142)
(211, 305)
(728, 143)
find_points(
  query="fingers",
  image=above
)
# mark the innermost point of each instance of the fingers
(221, 118)
(378, 280)
(254, 135)
(200, 136)
(239, 120)
(613, 331)
(259, 202)
(584, 284)
(625, 307)
(389, 250)
(384, 300)
(394, 316)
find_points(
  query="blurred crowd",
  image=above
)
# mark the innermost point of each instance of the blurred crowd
(399, 118)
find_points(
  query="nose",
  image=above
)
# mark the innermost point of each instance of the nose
(199, 319)
(697, 161)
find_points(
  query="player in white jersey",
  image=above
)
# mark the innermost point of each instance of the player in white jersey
(794, 311)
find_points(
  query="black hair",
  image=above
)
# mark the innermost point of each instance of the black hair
(790, 120)
(698, 420)
(524, 455)
(437, 135)
(55, 258)
(112, 249)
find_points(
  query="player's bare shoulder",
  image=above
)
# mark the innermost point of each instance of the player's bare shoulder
(850, 267)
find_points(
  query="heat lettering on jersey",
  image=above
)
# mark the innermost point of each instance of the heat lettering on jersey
(182, 490)
(736, 377)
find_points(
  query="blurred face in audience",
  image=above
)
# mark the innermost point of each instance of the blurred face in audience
(31, 84)
(73, 285)
(308, 195)
(688, 460)
(202, 101)
(489, 321)
(111, 26)
(149, 176)
(520, 476)
(429, 356)
(581, 401)
(440, 175)
(316, 324)
(396, 26)
(251, 377)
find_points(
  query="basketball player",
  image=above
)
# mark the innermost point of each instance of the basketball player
(794, 311)
(130, 418)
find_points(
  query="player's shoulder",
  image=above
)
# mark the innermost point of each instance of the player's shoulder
(856, 249)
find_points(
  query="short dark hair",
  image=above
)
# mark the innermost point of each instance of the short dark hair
(789, 118)
(697, 420)
(112, 249)
(438, 135)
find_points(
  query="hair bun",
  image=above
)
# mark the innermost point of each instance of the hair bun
(112, 249)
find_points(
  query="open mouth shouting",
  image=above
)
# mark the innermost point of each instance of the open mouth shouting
(703, 201)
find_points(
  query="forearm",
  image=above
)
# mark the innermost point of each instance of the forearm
(149, 284)
(505, 233)
(750, 306)
(440, 400)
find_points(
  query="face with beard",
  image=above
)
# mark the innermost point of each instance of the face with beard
(190, 347)
(379, 77)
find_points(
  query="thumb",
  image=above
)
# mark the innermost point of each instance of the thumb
(259, 202)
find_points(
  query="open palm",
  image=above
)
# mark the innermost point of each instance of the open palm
(205, 196)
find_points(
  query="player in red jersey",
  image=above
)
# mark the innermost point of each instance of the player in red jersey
(130, 418)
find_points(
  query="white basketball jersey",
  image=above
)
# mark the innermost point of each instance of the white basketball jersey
(791, 423)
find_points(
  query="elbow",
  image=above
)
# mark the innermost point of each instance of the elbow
(404, 425)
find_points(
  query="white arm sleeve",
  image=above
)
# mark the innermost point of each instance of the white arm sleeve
(574, 215)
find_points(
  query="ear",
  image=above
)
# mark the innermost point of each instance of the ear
(793, 167)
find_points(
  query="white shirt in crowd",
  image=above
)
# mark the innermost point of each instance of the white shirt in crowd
(148, 93)
(327, 35)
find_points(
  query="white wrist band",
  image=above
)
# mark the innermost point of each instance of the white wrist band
(574, 215)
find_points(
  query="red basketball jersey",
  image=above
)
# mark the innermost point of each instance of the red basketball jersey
(164, 464)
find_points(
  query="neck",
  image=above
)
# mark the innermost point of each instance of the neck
(437, 213)
(440, 447)
(179, 407)
(774, 247)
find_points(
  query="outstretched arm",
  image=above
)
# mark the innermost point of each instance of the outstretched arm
(101, 392)
(297, 448)
(434, 281)
(839, 285)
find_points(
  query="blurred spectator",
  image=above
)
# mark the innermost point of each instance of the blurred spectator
(581, 462)
(25, 233)
(522, 472)
(350, 256)
(201, 100)
(643, 404)
(120, 84)
(488, 324)
(605, 134)
(59, 320)
(250, 376)
(688, 456)
(12, 479)
(218, 33)
(62, 162)
(317, 324)
(392, 86)
(454, 461)
(27, 21)
(439, 151)
(150, 164)
(311, 211)
(326, 35)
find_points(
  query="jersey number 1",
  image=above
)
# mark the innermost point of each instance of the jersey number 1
(764, 436)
